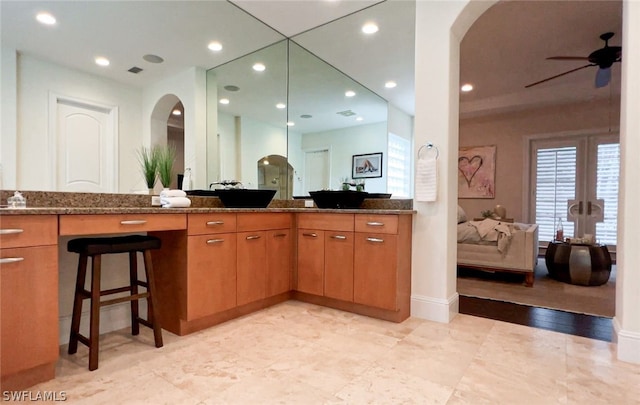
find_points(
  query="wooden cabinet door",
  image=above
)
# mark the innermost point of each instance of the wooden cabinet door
(29, 306)
(279, 258)
(252, 272)
(375, 270)
(338, 265)
(211, 274)
(310, 261)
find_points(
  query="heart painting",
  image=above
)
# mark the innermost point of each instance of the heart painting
(476, 172)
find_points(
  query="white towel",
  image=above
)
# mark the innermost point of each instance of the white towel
(175, 202)
(426, 179)
(172, 193)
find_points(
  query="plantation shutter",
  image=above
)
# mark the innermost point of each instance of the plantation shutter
(555, 185)
(607, 180)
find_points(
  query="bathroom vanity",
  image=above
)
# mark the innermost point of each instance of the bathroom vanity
(215, 264)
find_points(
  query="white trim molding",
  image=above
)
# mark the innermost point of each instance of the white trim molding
(628, 343)
(435, 309)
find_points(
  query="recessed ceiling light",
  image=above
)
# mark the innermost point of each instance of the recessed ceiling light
(466, 87)
(46, 18)
(359, 119)
(265, 162)
(101, 61)
(350, 93)
(390, 84)
(215, 46)
(370, 28)
(290, 124)
(153, 58)
(224, 101)
(259, 67)
(281, 105)
(176, 112)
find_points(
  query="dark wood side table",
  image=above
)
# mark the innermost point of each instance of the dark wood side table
(578, 263)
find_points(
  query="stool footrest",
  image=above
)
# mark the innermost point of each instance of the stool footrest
(115, 291)
(83, 339)
(124, 299)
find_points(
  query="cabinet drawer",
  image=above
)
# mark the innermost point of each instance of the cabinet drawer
(202, 224)
(377, 223)
(263, 221)
(328, 222)
(120, 223)
(28, 230)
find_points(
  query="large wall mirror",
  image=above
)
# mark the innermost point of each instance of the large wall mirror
(297, 106)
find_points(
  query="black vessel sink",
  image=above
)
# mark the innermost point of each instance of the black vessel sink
(239, 197)
(338, 198)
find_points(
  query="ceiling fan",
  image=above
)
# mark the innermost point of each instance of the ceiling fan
(603, 58)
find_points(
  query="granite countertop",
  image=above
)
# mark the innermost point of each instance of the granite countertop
(65, 203)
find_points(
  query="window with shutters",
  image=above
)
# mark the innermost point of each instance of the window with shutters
(579, 171)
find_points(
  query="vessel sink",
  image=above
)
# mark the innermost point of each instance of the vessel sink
(338, 198)
(238, 197)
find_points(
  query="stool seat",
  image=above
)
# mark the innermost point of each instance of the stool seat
(95, 248)
(118, 244)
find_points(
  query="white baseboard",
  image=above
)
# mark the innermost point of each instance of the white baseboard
(113, 317)
(434, 309)
(628, 343)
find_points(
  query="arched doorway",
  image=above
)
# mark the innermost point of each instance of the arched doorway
(275, 173)
(167, 128)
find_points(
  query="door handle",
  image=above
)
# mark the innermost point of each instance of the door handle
(313, 235)
(253, 237)
(376, 240)
(213, 241)
(341, 237)
(11, 260)
(209, 223)
(580, 208)
(375, 223)
(589, 208)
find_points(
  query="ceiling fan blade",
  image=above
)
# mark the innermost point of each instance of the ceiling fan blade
(561, 74)
(603, 76)
(568, 57)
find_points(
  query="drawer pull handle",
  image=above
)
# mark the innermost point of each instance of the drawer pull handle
(375, 223)
(10, 231)
(252, 237)
(134, 222)
(209, 223)
(313, 235)
(279, 235)
(11, 260)
(213, 241)
(376, 240)
(341, 237)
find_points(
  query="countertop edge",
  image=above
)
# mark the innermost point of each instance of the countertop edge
(157, 210)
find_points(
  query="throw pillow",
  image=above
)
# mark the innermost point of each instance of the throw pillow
(462, 216)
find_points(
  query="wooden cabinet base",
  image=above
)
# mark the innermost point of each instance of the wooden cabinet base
(393, 316)
(28, 378)
(185, 327)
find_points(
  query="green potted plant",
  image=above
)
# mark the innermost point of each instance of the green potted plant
(166, 158)
(148, 158)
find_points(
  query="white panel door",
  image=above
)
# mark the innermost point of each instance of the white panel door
(86, 155)
(316, 170)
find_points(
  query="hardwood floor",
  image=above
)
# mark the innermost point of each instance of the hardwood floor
(593, 327)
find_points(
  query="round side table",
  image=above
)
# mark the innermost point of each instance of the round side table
(578, 264)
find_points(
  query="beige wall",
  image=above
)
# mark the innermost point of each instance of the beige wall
(509, 132)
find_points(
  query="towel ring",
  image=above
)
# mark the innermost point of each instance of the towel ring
(429, 147)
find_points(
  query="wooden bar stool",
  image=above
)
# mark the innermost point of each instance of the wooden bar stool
(96, 247)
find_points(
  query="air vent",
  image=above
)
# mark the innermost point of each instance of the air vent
(135, 69)
(346, 113)
(231, 87)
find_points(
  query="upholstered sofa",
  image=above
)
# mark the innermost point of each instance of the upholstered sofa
(519, 255)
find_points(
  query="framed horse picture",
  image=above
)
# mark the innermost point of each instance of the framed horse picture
(477, 172)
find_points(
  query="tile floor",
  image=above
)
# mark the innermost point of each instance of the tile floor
(304, 354)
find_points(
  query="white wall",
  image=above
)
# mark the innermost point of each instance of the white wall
(346, 142)
(400, 123)
(258, 139)
(8, 111)
(295, 157)
(37, 79)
